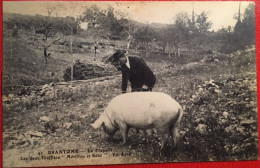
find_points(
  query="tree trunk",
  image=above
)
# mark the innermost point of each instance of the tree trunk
(136, 47)
(71, 52)
(179, 52)
(147, 54)
(164, 46)
(71, 72)
(46, 38)
(128, 42)
(45, 54)
(12, 66)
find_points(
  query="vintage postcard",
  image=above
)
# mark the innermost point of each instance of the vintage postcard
(101, 83)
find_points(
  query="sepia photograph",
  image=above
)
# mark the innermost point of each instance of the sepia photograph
(128, 82)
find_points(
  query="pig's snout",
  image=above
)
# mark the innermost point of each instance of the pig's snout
(97, 123)
(94, 126)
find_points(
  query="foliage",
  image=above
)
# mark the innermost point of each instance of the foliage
(185, 33)
(40, 23)
(94, 15)
(144, 35)
(202, 23)
(243, 34)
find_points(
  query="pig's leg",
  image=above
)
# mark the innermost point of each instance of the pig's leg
(164, 139)
(164, 135)
(124, 130)
(175, 133)
(149, 132)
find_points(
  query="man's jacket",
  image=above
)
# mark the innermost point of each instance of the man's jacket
(138, 75)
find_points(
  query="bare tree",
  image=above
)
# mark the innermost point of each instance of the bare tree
(47, 31)
(72, 22)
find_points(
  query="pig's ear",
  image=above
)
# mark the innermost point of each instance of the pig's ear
(97, 123)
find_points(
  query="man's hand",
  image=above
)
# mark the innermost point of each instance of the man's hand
(145, 87)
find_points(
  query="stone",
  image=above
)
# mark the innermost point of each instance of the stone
(217, 91)
(241, 129)
(67, 125)
(44, 119)
(247, 122)
(92, 106)
(35, 134)
(225, 114)
(84, 116)
(201, 128)
(216, 60)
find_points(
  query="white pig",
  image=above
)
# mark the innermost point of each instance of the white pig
(142, 110)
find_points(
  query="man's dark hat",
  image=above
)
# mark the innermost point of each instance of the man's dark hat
(118, 54)
(115, 57)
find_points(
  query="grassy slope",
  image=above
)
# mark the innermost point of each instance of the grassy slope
(27, 65)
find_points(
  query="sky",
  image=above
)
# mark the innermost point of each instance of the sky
(221, 14)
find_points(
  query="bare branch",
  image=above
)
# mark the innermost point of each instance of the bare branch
(46, 47)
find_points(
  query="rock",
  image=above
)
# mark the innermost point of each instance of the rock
(200, 90)
(199, 120)
(241, 129)
(67, 125)
(33, 141)
(35, 134)
(45, 90)
(201, 128)
(227, 148)
(182, 132)
(44, 119)
(84, 116)
(20, 137)
(211, 81)
(233, 118)
(80, 105)
(247, 122)
(76, 124)
(101, 105)
(11, 96)
(22, 143)
(92, 106)
(5, 98)
(222, 121)
(217, 91)
(211, 89)
(254, 134)
(235, 149)
(46, 87)
(225, 114)
(216, 60)
(193, 96)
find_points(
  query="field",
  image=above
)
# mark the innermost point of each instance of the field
(217, 92)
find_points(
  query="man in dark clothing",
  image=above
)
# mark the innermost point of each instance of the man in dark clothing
(135, 70)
